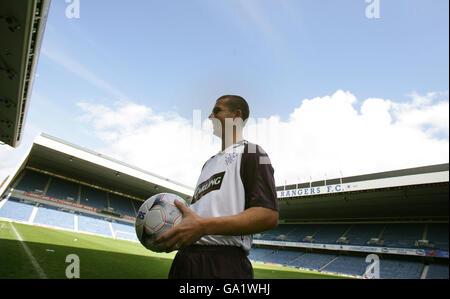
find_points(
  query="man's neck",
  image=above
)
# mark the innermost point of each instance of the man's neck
(237, 137)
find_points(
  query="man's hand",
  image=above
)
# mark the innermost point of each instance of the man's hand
(189, 231)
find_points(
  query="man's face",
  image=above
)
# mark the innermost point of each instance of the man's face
(218, 115)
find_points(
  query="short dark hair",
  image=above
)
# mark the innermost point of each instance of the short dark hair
(235, 102)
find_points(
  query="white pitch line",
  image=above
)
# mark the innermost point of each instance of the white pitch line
(30, 256)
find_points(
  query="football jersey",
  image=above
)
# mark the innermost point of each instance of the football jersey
(238, 178)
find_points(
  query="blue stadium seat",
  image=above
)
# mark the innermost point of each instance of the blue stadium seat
(360, 234)
(282, 257)
(291, 232)
(121, 205)
(402, 235)
(313, 261)
(354, 265)
(53, 217)
(136, 204)
(328, 234)
(94, 225)
(437, 271)
(397, 269)
(281, 230)
(301, 231)
(63, 190)
(32, 181)
(438, 235)
(258, 254)
(16, 210)
(93, 197)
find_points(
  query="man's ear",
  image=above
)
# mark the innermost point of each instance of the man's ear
(238, 113)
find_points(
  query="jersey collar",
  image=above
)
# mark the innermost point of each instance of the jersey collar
(233, 146)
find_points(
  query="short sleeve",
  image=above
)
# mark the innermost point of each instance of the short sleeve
(257, 177)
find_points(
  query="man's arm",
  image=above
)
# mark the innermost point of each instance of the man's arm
(193, 226)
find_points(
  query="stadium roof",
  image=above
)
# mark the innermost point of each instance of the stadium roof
(400, 195)
(22, 25)
(59, 158)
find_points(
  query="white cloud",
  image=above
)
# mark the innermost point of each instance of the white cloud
(328, 135)
(429, 113)
(165, 144)
(323, 137)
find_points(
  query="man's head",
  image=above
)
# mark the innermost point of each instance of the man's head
(235, 103)
(231, 107)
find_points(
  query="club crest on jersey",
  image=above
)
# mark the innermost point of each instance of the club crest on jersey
(229, 158)
(211, 184)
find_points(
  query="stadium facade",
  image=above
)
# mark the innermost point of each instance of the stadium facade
(57, 173)
(399, 216)
(61, 185)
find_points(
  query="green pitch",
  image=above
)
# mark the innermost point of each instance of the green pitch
(42, 253)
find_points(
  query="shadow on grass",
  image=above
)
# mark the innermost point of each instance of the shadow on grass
(99, 264)
(93, 264)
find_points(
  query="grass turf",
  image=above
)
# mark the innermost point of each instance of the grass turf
(99, 257)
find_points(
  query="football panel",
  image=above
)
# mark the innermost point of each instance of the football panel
(172, 213)
(155, 219)
(177, 220)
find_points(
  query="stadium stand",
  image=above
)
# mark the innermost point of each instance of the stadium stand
(398, 235)
(355, 265)
(60, 189)
(52, 216)
(32, 181)
(93, 197)
(329, 233)
(395, 269)
(390, 267)
(55, 217)
(437, 271)
(289, 232)
(282, 257)
(301, 232)
(94, 225)
(121, 205)
(313, 261)
(402, 235)
(16, 210)
(360, 234)
(124, 231)
(438, 235)
(258, 254)
(63, 190)
(281, 232)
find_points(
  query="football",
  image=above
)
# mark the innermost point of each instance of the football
(157, 215)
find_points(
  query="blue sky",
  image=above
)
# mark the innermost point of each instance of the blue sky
(171, 57)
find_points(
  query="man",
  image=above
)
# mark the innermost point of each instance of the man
(235, 197)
